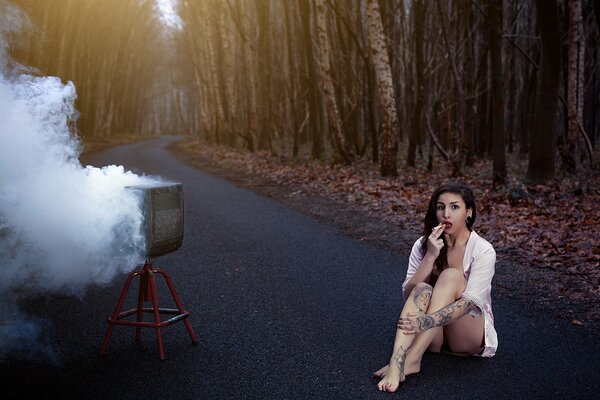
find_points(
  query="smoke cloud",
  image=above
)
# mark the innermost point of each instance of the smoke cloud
(63, 226)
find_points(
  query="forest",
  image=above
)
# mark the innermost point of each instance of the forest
(389, 81)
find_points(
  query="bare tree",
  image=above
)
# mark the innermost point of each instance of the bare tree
(494, 11)
(575, 75)
(385, 89)
(419, 10)
(310, 79)
(541, 167)
(329, 97)
(456, 160)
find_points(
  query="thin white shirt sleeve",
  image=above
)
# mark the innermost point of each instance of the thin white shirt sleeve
(414, 260)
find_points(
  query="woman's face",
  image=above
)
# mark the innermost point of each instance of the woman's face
(451, 210)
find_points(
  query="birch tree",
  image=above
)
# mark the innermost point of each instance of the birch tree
(385, 90)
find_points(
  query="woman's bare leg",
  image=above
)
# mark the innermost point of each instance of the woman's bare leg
(466, 334)
(408, 349)
(417, 301)
(414, 367)
(448, 288)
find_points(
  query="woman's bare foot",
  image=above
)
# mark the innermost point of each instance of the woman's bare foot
(408, 370)
(380, 373)
(412, 368)
(391, 380)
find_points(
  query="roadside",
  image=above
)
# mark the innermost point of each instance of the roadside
(520, 222)
(95, 144)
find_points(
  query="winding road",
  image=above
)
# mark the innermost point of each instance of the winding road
(284, 307)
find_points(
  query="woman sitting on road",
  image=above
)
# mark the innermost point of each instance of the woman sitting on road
(447, 289)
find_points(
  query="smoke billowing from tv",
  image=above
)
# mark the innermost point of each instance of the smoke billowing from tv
(63, 226)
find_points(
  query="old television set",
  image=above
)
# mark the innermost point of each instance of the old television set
(162, 207)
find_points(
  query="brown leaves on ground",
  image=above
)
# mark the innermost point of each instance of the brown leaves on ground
(554, 228)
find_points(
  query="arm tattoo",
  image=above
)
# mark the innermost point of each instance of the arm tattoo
(426, 322)
(422, 296)
(451, 312)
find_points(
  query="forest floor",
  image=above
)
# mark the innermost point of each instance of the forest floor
(546, 237)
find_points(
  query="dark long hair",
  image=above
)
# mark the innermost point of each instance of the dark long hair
(431, 221)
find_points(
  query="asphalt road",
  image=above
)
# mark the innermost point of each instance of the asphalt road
(284, 307)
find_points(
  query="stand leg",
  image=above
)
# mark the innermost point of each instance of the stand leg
(175, 296)
(140, 305)
(115, 315)
(159, 339)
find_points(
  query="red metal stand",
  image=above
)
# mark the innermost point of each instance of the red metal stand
(148, 293)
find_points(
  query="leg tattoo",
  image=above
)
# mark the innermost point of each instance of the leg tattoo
(400, 357)
(422, 296)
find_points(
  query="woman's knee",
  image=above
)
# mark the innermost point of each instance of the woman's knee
(452, 280)
(451, 276)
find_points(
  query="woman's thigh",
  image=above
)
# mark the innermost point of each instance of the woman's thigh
(466, 335)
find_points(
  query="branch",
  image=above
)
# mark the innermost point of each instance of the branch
(436, 141)
(587, 141)
(531, 60)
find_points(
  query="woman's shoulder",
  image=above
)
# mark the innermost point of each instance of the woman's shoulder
(481, 245)
(419, 241)
(416, 248)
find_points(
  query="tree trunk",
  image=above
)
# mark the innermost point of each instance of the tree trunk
(417, 120)
(333, 115)
(310, 82)
(264, 66)
(291, 78)
(222, 70)
(541, 167)
(383, 74)
(574, 85)
(494, 12)
(456, 163)
(371, 113)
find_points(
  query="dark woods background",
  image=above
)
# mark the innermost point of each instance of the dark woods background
(392, 80)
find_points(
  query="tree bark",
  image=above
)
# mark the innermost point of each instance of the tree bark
(417, 120)
(264, 67)
(541, 168)
(310, 79)
(333, 114)
(385, 86)
(456, 163)
(494, 12)
(574, 85)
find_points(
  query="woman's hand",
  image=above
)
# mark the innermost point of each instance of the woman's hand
(435, 242)
(414, 323)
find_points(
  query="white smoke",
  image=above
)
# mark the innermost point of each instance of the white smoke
(63, 226)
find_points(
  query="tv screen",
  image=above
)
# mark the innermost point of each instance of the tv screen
(162, 207)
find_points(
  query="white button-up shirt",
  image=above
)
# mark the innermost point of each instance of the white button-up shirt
(478, 268)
